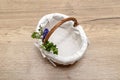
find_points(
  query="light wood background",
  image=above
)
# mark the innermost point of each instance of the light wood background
(21, 60)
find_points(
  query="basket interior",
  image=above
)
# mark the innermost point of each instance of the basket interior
(65, 37)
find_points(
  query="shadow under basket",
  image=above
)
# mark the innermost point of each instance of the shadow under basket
(67, 34)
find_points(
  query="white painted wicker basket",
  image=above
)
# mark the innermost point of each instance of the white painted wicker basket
(67, 34)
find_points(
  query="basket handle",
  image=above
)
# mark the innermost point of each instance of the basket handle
(58, 24)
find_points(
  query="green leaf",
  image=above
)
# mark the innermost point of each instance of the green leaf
(36, 35)
(55, 50)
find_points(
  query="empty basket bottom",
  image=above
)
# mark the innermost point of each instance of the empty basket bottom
(67, 41)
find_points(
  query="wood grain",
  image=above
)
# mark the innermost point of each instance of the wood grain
(20, 60)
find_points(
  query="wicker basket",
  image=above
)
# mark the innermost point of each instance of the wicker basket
(67, 34)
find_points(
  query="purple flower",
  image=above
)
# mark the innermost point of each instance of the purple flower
(45, 32)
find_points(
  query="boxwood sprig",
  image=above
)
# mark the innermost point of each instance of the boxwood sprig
(50, 46)
(37, 35)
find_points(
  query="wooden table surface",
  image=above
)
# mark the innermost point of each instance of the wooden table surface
(21, 60)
